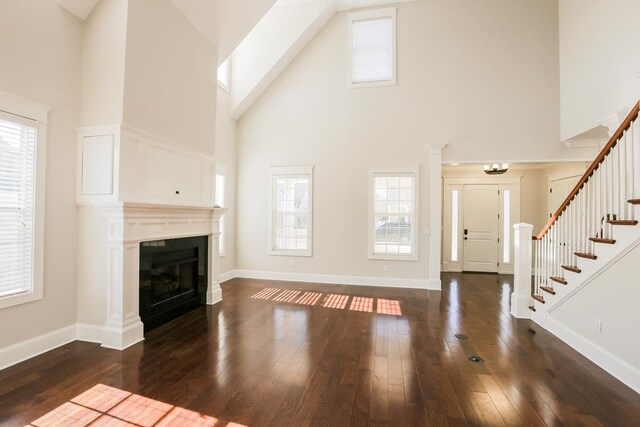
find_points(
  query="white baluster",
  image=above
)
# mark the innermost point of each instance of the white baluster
(628, 141)
(635, 147)
(615, 159)
(624, 211)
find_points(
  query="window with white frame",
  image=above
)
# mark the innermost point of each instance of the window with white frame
(372, 47)
(22, 151)
(393, 201)
(221, 178)
(224, 74)
(455, 215)
(291, 211)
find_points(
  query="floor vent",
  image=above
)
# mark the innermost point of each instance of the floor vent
(476, 359)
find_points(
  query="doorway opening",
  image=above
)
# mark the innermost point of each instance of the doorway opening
(479, 210)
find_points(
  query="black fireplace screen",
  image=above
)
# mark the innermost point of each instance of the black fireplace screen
(173, 277)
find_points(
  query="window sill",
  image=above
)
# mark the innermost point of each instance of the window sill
(355, 85)
(17, 299)
(306, 253)
(390, 257)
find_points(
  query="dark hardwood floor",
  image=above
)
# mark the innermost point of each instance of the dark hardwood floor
(260, 362)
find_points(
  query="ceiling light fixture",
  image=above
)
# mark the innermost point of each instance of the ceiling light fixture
(496, 168)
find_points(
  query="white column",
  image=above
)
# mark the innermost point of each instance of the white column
(435, 214)
(123, 326)
(521, 297)
(214, 292)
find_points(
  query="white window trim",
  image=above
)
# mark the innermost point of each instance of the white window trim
(295, 171)
(391, 170)
(389, 12)
(38, 113)
(221, 169)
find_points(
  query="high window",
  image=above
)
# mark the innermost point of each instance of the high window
(221, 178)
(22, 151)
(393, 197)
(224, 74)
(372, 45)
(291, 211)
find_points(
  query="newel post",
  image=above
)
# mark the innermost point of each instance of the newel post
(521, 297)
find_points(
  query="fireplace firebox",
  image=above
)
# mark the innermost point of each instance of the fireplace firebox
(173, 278)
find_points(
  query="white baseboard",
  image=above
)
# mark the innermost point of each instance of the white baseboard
(227, 275)
(620, 369)
(89, 333)
(333, 279)
(434, 284)
(24, 350)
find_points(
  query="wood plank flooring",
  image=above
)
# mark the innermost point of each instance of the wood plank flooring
(294, 362)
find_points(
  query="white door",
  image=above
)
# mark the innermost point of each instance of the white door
(559, 190)
(481, 228)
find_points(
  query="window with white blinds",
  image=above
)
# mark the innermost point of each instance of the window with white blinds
(393, 205)
(17, 204)
(372, 44)
(291, 211)
(219, 201)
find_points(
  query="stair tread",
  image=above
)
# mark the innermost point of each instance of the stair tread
(558, 279)
(622, 222)
(634, 201)
(532, 308)
(548, 289)
(572, 268)
(602, 240)
(585, 255)
(538, 298)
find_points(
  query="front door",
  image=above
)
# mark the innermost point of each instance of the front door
(481, 222)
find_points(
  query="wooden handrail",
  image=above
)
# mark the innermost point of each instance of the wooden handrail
(633, 114)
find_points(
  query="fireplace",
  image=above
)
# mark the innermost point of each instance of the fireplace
(173, 278)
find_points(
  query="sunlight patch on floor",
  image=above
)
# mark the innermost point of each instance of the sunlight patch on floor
(382, 306)
(111, 407)
(362, 304)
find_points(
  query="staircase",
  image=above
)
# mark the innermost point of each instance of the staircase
(585, 263)
(595, 223)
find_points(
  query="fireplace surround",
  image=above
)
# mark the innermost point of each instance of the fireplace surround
(110, 268)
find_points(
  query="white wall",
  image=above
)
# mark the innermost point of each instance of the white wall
(603, 299)
(103, 62)
(599, 60)
(492, 93)
(226, 154)
(170, 79)
(45, 49)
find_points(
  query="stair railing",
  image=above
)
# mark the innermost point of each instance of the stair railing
(600, 200)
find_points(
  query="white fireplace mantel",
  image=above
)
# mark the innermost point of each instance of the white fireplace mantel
(134, 187)
(109, 263)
